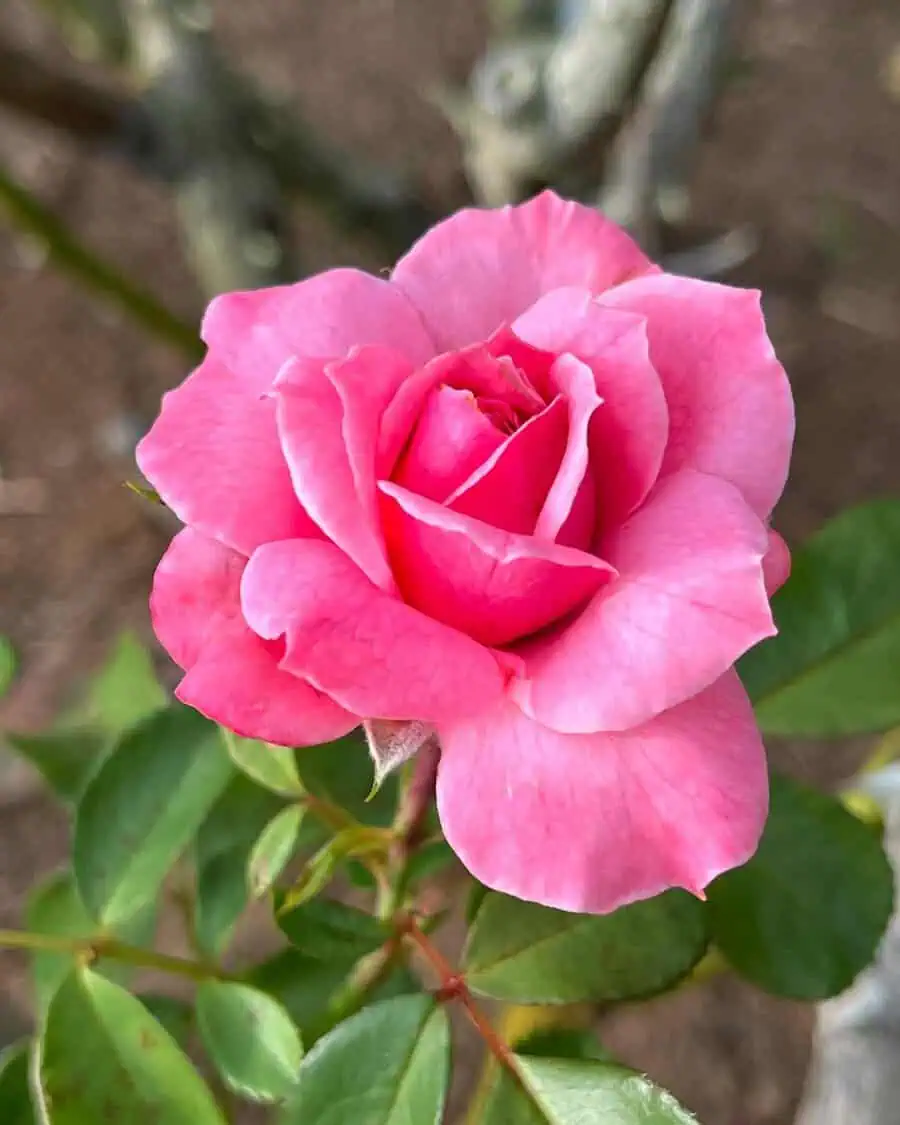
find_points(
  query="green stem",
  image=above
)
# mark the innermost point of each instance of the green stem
(93, 948)
(71, 256)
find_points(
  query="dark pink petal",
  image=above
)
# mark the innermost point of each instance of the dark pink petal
(776, 563)
(257, 331)
(231, 675)
(689, 600)
(628, 435)
(376, 656)
(591, 822)
(328, 421)
(730, 405)
(488, 583)
(451, 439)
(509, 490)
(214, 457)
(480, 269)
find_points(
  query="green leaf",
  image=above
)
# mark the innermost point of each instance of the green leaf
(105, 1058)
(250, 1038)
(143, 807)
(528, 953)
(834, 668)
(341, 772)
(223, 847)
(8, 664)
(563, 1043)
(65, 759)
(573, 1092)
(387, 1065)
(272, 767)
(125, 691)
(55, 908)
(273, 850)
(176, 1016)
(15, 1096)
(331, 931)
(806, 914)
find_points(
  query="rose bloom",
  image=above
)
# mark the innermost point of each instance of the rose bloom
(517, 492)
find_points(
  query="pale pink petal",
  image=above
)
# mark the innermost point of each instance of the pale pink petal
(730, 407)
(450, 441)
(591, 822)
(213, 456)
(480, 269)
(231, 675)
(257, 331)
(688, 601)
(491, 584)
(328, 421)
(776, 563)
(628, 435)
(376, 656)
(509, 490)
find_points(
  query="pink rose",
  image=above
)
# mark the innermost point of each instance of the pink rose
(519, 491)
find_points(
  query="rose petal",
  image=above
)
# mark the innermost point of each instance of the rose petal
(776, 563)
(730, 407)
(450, 441)
(591, 822)
(328, 421)
(257, 331)
(628, 435)
(501, 261)
(509, 490)
(213, 456)
(375, 655)
(491, 584)
(231, 675)
(689, 600)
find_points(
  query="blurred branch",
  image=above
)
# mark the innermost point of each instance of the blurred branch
(72, 257)
(42, 93)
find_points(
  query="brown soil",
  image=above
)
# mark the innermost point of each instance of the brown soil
(804, 149)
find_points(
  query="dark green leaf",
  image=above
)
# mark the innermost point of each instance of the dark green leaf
(8, 664)
(330, 930)
(55, 908)
(250, 1038)
(273, 850)
(143, 807)
(388, 1065)
(104, 1058)
(223, 847)
(834, 668)
(15, 1098)
(176, 1016)
(273, 767)
(341, 771)
(528, 953)
(805, 915)
(65, 759)
(429, 860)
(571, 1092)
(563, 1043)
(125, 691)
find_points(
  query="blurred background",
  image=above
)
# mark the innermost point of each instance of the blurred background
(137, 177)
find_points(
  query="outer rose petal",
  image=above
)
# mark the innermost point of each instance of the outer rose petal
(378, 657)
(776, 563)
(450, 441)
(213, 456)
(480, 269)
(231, 675)
(689, 600)
(509, 490)
(730, 407)
(591, 822)
(328, 421)
(490, 584)
(256, 331)
(628, 435)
